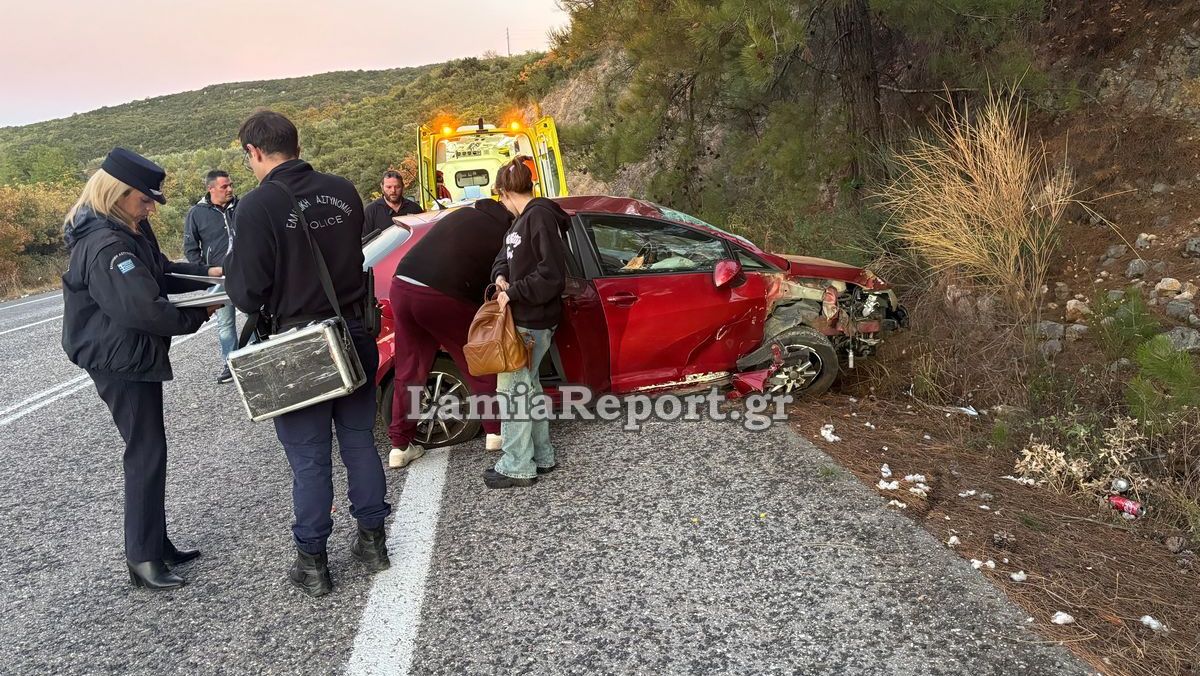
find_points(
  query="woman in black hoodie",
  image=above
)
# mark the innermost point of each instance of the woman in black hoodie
(117, 325)
(531, 272)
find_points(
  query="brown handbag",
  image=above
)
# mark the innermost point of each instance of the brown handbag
(493, 344)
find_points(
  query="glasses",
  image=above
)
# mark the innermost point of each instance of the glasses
(245, 158)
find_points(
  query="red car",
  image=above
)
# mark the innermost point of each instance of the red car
(658, 300)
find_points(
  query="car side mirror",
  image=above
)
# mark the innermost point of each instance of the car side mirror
(728, 273)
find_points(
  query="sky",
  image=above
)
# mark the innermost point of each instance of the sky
(59, 57)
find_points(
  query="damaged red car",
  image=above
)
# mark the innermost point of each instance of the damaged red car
(657, 300)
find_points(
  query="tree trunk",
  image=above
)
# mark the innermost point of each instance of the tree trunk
(860, 82)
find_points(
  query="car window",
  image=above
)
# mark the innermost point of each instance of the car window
(383, 244)
(688, 218)
(750, 262)
(628, 246)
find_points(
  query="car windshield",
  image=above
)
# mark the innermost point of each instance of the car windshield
(687, 218)
(383, 244)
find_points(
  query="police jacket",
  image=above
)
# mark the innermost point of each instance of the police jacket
(208, 231)
(271, 266)
(117, 321)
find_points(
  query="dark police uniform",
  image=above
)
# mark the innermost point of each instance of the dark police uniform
(117, 324)
(271, 268)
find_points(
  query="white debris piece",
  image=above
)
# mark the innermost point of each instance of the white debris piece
(1019, 576)
(953, 541)
(926, 437)
(919, 491)
(915, 478)
(897, 504)
(966, 494)
(885, 448)
(885, 471)
(1024, 481)
(1062, 618)
(867, 424)
(977, 564)
(885, 485)
(1153, 624)
(985, 508)
(828, 435)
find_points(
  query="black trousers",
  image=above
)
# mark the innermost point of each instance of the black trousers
(137, 409)
(307, 438)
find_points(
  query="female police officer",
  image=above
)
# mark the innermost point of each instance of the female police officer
(117, 324)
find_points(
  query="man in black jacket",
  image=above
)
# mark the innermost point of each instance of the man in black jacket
(207, 238)
(271, 269)
(379, 214)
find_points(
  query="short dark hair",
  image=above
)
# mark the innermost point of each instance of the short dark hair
(271, 133)
(392, 173)
(213, 175)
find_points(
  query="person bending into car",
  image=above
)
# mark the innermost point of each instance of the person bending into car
(436, 291)
(531, 273)
(117, 325)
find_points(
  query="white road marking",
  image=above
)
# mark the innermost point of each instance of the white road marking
(19, 328)
(387, 634)
(28, 302)
(40, 400)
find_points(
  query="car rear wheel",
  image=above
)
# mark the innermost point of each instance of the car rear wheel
(445, 380)
(810, 363)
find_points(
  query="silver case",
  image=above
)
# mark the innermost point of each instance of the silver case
(296, 369)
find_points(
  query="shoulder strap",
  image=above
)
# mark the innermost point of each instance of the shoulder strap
(322, 271)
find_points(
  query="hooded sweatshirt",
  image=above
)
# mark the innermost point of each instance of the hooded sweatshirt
(456, 255)
(117, 321)
(534, 261)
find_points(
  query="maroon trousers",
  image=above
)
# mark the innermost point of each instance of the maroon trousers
(427, 319)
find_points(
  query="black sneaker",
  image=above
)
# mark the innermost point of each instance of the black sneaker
(494, 479)
(225, 377)
(546, 470)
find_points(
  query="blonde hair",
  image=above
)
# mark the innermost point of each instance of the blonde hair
(101, 194)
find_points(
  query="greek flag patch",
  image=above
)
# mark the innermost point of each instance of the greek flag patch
(125, 266)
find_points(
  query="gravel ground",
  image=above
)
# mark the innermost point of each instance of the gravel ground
(690, 548)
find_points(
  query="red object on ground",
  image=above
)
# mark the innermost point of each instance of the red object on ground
(1124, 504)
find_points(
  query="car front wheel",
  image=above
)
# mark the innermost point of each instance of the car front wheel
(810, 363)
(447, 426)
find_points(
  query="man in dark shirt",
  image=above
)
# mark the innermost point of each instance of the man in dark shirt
(271, 270)
(379, 213)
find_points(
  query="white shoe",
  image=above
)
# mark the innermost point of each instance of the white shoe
(494, 442)
(401, 458)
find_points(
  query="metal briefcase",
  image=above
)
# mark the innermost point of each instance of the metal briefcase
(296, 369)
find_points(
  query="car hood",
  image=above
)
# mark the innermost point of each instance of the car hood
(822, 268)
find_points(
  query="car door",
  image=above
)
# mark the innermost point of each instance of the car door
(668, 323)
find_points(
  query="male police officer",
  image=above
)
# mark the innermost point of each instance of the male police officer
(207, 238)
(271, 269)
(379, 214)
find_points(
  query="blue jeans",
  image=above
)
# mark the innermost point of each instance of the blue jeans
(526, 442)
(226, 326)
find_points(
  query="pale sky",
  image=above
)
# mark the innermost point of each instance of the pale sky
(59, 57)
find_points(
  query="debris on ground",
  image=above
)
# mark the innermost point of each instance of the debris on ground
(977, 564)
(885, 485)
(915, 478)
(1004, 539)
(966, 494)
(1019, 576)
(953, 541)
(1153, 624)
(828, 435)
(884, 470)
(1024, 481)
(897, 504)
(1062, 618)
(921, 491)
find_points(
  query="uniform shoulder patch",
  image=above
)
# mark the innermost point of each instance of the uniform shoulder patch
(124, 266)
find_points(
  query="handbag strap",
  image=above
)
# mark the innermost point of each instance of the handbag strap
(322, 271)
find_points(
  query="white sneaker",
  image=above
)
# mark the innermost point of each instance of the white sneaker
(494, 442)
(401, 458)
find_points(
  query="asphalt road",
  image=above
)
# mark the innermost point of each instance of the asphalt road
(695, 548)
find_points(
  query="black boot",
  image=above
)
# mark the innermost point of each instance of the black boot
(310, 573)
(370, 547)
(153, 575)
(175, 557)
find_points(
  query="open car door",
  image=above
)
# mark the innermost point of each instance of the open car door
(549, 158)
(426, 172)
